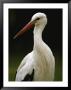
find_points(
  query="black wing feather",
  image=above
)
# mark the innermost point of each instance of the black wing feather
(29, 77)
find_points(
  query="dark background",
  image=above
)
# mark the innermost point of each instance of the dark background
(19, 47)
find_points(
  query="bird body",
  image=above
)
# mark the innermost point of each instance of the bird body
(39, 65)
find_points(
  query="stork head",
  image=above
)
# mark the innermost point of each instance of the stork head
(37, 19)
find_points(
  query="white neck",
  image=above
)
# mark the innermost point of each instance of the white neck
(38, 36)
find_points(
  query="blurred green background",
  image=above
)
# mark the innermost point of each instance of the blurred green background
(52, 36)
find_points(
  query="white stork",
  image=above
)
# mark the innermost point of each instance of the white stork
(38, 65)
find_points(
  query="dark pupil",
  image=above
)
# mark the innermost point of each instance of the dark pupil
(37, 18)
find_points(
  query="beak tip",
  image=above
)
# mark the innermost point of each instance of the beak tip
(29, 25)
(14, 37)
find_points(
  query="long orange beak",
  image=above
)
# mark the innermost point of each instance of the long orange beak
(27, 27)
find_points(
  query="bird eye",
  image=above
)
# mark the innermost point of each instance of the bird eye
(37, 18)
